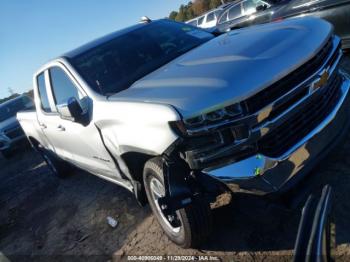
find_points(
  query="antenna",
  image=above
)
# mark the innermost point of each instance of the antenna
(145, 20)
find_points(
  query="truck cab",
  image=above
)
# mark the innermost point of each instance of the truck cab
(178, 115)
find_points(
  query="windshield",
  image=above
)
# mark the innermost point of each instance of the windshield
(113, 66)
(10, 109)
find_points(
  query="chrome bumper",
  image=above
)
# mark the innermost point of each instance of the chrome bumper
(261, 174)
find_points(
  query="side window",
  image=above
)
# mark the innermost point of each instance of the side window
(44, 100)
(217, 13)
(223, 18)
(234, 12)
(62, 86)
(210, 17)
(200, 20)
(248, 5)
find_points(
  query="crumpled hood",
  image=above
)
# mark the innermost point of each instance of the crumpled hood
(8, 124)
(231, 67)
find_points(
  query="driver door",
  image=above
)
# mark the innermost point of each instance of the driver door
(81, 144)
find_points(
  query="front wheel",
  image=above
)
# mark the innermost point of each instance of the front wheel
(195, 220)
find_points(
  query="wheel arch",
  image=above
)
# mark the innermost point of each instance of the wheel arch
(135, 162)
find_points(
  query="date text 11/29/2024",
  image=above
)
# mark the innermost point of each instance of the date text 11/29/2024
(172, 258)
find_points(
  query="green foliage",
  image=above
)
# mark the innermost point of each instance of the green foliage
(194, 9)
(172, 15)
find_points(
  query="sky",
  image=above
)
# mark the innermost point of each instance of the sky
(34, 31)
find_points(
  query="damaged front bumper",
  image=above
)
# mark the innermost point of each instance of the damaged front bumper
(261, 174)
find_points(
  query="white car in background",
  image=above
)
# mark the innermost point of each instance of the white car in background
(208, 19)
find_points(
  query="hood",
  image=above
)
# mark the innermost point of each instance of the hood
(8, 124)
(231, 67)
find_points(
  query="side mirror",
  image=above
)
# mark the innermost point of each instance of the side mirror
(71, 110)
(214, 30)
(260, 8)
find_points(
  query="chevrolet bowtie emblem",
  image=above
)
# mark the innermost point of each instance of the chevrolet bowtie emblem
(320, 82)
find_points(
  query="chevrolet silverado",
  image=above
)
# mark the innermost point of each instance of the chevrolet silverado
(178, 115)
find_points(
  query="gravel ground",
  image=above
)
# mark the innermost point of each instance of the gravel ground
(43, 217)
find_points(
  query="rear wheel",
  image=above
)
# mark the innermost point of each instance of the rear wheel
(195, 219)
(57, 166)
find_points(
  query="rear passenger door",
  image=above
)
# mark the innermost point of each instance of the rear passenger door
(45, 113)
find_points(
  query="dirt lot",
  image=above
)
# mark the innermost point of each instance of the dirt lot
(42, 217)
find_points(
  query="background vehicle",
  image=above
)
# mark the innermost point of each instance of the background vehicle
(208, 19)
(168, 110)
(11, 133)
(250, 12)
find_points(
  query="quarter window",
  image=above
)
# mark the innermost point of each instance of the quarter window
(200, 20)
(62, 86)
(44, 100)
(234, 12)
(211, 17)
(223, 18)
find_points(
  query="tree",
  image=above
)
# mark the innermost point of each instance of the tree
(215, 3)
(173, 15)
(195, 8)
(181, 16)
(201, 6)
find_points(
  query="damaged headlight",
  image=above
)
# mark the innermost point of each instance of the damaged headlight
(204, 122)
(227, 113)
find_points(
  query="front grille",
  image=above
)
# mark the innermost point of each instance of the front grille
(14, 133)
(286, 84)
(312, 113)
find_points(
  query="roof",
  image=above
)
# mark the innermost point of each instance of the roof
(104, 39)
(12, 99)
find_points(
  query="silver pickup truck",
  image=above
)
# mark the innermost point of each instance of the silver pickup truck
(178, 115)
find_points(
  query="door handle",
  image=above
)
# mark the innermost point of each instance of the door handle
(42, 125)
(61, 128)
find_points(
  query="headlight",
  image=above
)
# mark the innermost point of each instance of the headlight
(204, 121)
(227, 113)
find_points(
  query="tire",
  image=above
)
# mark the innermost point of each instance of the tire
(58, 167)
(195, 219)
